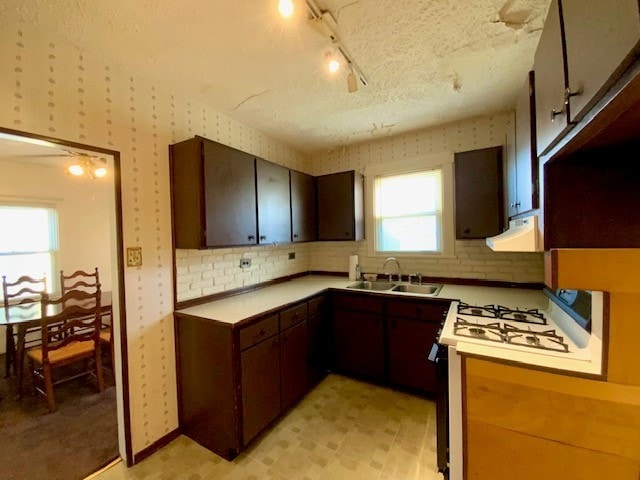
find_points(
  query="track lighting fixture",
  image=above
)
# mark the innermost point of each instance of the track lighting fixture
(286, 8)
(333, 63)
(326, 24)
(352, 82)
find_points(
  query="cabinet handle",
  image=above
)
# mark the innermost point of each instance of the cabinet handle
(263, 331)
(276, 342)
(251, 237)
(517, 204)
(295, 235)
(347, 234)
(568, 94)
(554, 113)
(263, 237)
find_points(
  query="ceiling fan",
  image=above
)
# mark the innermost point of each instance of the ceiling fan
(92, 165)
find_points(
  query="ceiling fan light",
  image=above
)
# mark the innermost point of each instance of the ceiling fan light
(100, 172)
(76, 170)
(334, 65)
(285, 7)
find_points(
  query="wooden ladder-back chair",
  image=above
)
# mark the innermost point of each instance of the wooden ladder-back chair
(81, 280)
(78, 312)
(23, 292)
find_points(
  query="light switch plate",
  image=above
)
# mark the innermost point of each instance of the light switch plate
(134, 256)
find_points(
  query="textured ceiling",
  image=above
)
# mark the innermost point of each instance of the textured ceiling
(428, 62)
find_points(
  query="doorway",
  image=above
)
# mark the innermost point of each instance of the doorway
(89, 429)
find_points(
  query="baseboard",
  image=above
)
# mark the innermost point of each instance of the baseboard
(155, 446)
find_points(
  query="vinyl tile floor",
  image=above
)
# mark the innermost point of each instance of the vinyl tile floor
(343, 429)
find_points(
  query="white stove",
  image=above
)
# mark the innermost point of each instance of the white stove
(548, 332)
(549, 338)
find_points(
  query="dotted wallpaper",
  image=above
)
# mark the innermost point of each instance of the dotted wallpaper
(473, 259)
(51, 88)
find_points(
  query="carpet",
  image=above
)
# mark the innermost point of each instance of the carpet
(75, 441)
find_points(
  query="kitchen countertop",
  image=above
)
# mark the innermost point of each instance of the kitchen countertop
(247, 305)
(235, 309)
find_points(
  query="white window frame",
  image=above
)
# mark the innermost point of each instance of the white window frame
(53, 280)
(441, 161)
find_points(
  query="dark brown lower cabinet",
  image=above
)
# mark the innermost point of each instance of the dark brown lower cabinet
(359, 343)
(234, 380)
(261, 402)
(387, 338)
(294, 377)
(410, 341)
(319, 339)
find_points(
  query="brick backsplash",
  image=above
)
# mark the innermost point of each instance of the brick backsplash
(206, 272)
(473, 259)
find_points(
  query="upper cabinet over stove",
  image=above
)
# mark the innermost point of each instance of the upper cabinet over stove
(584, 48)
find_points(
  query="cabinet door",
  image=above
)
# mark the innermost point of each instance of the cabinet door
(187, 194)
(293, 361)
(359, 343)
(303, 207)
(479, 197)
(409, 344)
(274, 202)
(260, 387)
(548, 64)
(230, 196)
(340, 207)
(526, 157)
(599, 36)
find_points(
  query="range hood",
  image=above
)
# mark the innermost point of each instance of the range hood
(522, 236)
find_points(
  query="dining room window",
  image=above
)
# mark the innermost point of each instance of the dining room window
(29, 242)
(408, 212)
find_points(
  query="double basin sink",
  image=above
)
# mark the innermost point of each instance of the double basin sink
(424, 289)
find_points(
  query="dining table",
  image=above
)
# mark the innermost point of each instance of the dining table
(21, 317)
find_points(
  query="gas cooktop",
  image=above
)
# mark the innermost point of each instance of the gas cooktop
(503, 327)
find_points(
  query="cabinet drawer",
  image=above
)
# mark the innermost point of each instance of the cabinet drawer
(361, 303)
(293, 315)
(258, 332)
(431, 312)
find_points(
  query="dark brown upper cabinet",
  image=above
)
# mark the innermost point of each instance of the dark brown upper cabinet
(303, 207)
(274, 202)
(591, 199)
(213, 195)
(584, 48)
(600, 38)
(341, 206)
(522, 187)
(479, 196)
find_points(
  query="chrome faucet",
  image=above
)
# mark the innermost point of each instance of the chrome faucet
(393, 259)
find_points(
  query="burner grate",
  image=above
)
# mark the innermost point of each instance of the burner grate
(491, 331)
(533, 316)
(487, 311)
(545, 340)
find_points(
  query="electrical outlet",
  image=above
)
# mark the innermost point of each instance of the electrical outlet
(292, 255)
(245, 262)
(134, 256)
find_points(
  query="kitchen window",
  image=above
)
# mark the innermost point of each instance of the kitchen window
(409, 207)
(29, 242)
(408, 212)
